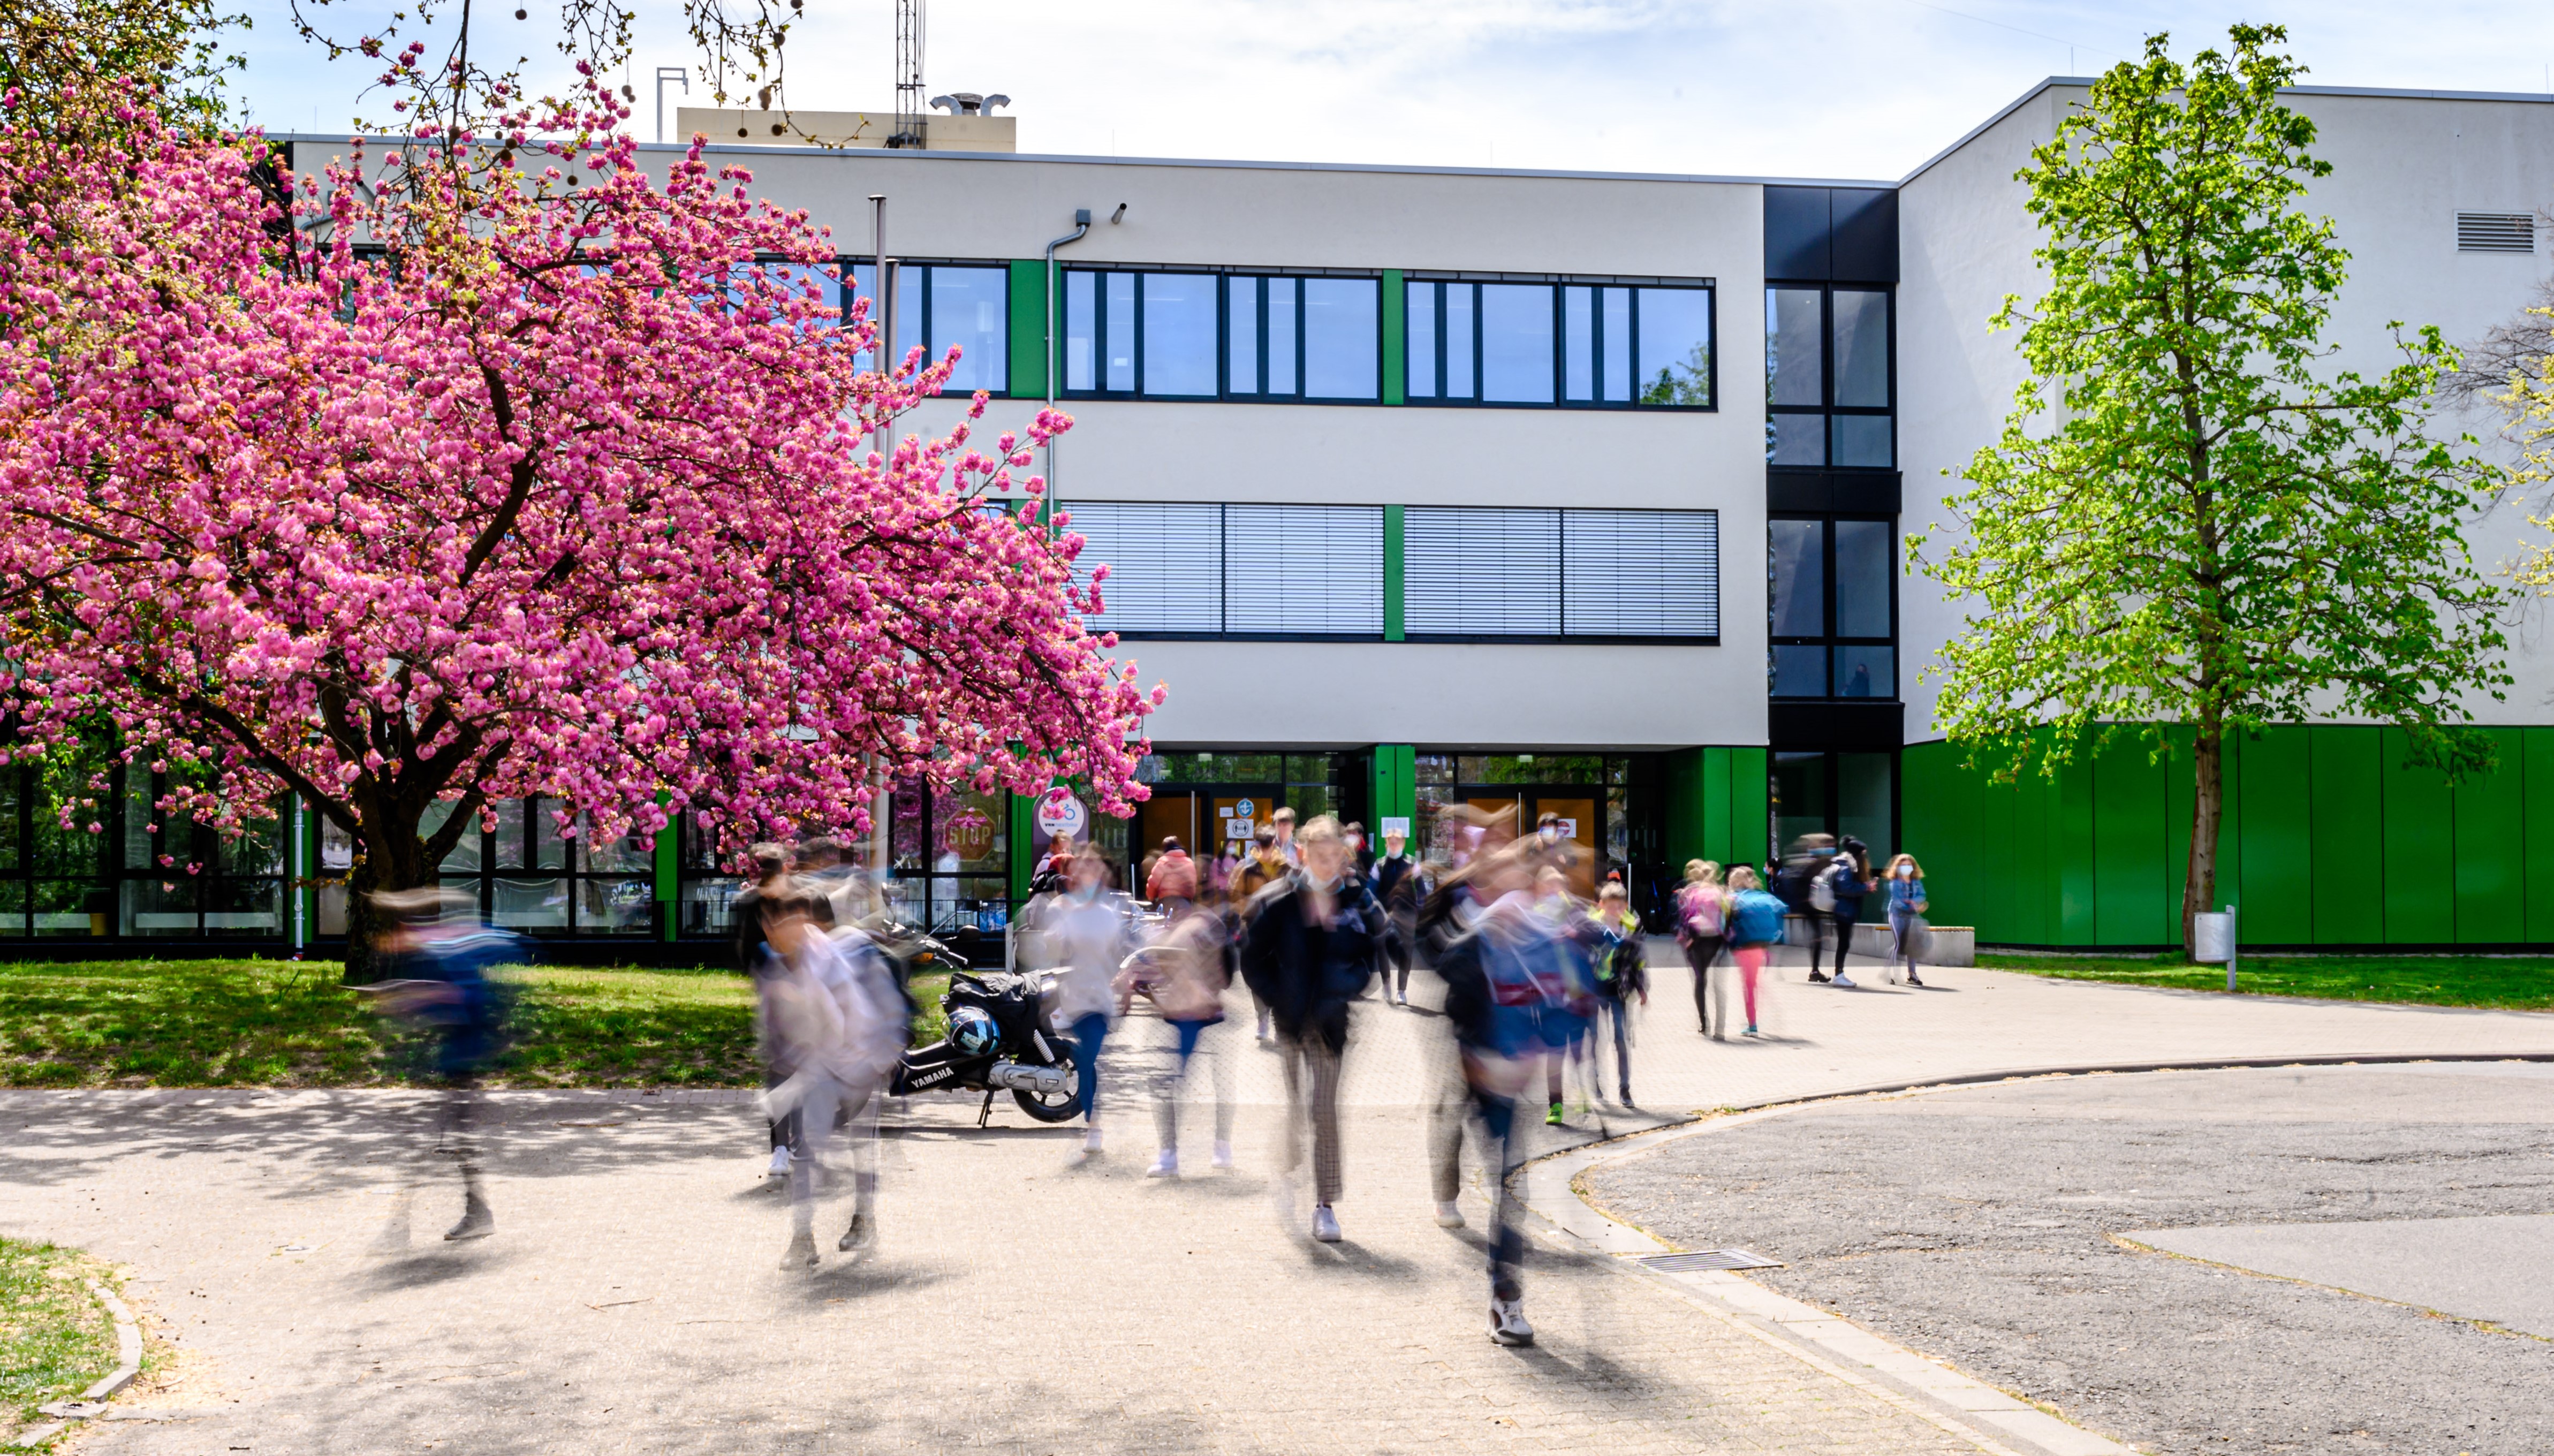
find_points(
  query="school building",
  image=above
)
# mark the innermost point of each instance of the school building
(1578, 492)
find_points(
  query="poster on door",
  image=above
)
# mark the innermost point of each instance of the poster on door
(1240, 820)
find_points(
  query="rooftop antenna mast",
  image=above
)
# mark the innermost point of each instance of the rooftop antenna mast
(908, 75)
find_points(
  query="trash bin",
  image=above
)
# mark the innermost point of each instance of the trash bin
(2212, 936)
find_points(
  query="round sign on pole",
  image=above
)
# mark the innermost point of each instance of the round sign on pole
(1059, 813)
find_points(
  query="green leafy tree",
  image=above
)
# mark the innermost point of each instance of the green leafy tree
(2192, 516)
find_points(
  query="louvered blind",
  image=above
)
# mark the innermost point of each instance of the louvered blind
(1469, 572)
(1304, 569)
(1640, 572)
(2495, 232)
(1165, 564)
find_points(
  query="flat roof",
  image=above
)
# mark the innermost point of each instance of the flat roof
(898, 157)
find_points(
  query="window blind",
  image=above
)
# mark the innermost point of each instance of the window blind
(1304, 569)
(1640, 572)
(1165, 563)
(1469, 572)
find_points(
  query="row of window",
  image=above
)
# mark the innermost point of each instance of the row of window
(1833, 608)
(1197, 569)
(1169, 335)
(1829, 378)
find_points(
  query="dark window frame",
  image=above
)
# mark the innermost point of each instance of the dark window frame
(931, 348)
(1828, 639)
(1827, 410)
(1559, 284)
(1225, 277)
(1224, 581)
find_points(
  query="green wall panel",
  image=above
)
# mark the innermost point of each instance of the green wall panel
(2538, 790)
(1394, 596)
(2072, 829)
(2274, 875)
(2128, 844)
(1750, 801)
(2420, 841)
(1686, 827)
(1028, 328)
(2490, 827)
(2346, 819)
(1396, 303)
(1023, 849)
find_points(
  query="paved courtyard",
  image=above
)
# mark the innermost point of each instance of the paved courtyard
(284, 1248)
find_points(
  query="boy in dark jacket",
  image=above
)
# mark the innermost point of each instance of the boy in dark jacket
(1622, 973)
(1310, 940)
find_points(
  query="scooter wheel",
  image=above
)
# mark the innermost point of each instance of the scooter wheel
(1063, 1106)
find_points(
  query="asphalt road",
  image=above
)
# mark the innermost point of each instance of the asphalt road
(1994, 1227)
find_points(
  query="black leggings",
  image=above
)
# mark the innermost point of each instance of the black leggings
(1700, 953)
(1844, 921)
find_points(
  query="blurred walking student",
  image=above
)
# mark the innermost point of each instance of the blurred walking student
(1836, 899)
(745, 920)
(1503, 978)
(439, 955)
(1172, 882)
(1907, 907)
(1183, 974)
(1263, 868)
(1282, 822)
(833, 1023)
(1622, 975)
(1755, 927)
(1701, 905)
(1312, 942)
(1397, 883)
(1089, 931)
(1565, 1024)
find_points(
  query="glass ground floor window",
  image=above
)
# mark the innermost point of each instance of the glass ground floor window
(122, 869)
(1839, 794)
(1215, 801)
(536, 872)
(1607, 806)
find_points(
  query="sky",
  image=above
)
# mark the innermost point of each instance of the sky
(1813, 88)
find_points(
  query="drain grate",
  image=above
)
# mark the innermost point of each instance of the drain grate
(1702, 1258)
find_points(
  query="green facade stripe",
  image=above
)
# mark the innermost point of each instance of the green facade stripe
(1686, 811)
(1022, 845)
(2073, 831)
(2277, 855)
(1396, 303)
(1751, 832)
(1392, 578)
(2346, 819)
(1720, 805)
(2538, 795)
(669, 878)
(2420, 838)
(1028, 328)
(2490, 827)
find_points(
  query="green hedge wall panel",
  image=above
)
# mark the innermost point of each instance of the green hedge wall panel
(2275, 884)
(2491, 825)
(1028, 328)
(2347, 824)
(2419, 843)
(2128, 799)
(2538, 791)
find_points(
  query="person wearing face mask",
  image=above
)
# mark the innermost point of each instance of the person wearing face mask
(1907, 907)
(1311, 942)
(1089, 931)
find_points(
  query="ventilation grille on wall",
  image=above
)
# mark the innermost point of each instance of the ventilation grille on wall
(2495, 232)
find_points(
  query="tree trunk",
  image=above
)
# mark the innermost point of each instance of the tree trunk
(387, 856)
(2207, 809)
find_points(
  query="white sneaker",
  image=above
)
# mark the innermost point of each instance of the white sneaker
(1401, 999)
(1325, 1224)
(779, 1162)
(1165, 1166)
(1507, 1321)
(1089, 1149)
(1844, 980)
(1223, 1154)
(1449, 1216)
(1264, 1034)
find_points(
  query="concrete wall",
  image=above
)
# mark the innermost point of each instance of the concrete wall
(2403, 167)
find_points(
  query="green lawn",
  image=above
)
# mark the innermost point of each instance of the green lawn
(272, 1022)
(55, 1339)
(2520, 983)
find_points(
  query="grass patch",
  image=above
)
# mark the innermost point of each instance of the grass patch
(2520, 983)
(55, 1339)
(288, 1024)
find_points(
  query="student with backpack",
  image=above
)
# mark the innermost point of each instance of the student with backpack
(1835, 901)
(1622, 973)
(1700, 905)
(1755, 927)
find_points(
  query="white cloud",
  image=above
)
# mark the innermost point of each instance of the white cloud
(1849, 89)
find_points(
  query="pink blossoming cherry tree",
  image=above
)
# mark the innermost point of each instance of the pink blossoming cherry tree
(499, 482)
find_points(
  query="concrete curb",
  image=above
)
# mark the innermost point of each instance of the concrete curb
(93, 1401)
(1926, 1388)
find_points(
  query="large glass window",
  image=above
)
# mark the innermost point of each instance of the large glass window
(1579, 345)
(945, 305)
(1178, 334)
(1828, 378)
(1833, 608)
(536, 874)
(143, 874)
(1161, 335)
(1343, 338)
(1846, 795)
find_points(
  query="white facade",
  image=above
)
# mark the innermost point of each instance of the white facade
(2404, 165)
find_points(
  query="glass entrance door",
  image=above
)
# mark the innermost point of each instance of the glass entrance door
(1580, 826)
